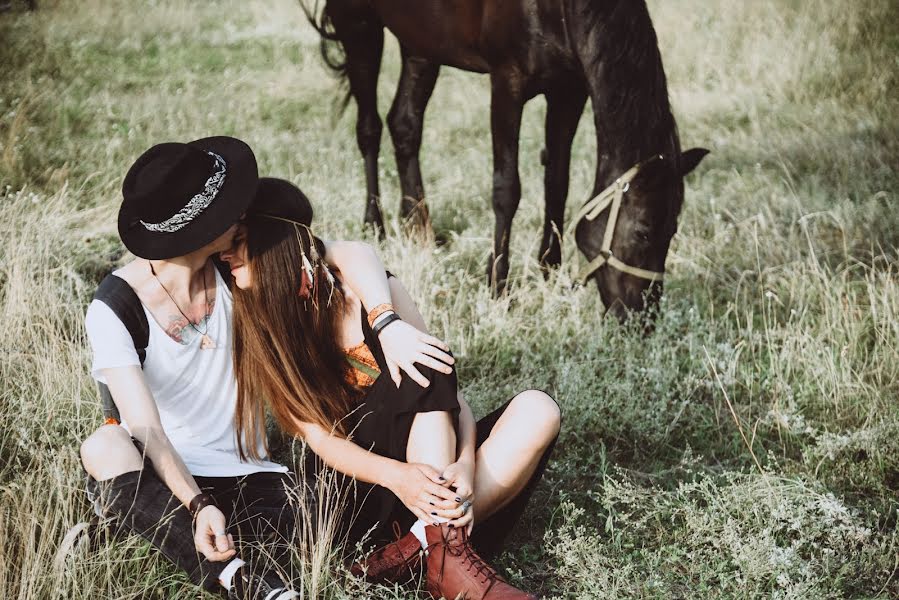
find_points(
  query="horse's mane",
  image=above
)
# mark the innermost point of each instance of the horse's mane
(619, 46)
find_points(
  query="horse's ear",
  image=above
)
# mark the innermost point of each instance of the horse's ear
(690, 159)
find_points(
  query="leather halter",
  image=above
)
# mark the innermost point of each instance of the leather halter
(611, 198)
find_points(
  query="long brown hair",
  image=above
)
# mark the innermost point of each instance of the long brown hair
(286, 351)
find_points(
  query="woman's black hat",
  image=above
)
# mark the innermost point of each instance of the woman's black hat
(282, 199)
(179, 197)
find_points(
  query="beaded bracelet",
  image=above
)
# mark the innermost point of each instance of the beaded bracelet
(377, 311)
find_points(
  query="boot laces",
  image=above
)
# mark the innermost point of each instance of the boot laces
(378, 558)
(470, 558)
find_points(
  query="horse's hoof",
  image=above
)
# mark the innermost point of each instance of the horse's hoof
(495, 279)
(375, 219)
(377, 225)
(548, 265)
(416, 218)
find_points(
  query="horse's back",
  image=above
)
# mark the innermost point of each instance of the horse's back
(478, 35)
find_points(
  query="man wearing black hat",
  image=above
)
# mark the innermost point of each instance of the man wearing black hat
(171, 471)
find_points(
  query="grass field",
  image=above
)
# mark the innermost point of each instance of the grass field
(749, 448)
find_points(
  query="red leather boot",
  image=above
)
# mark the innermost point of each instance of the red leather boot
(456, 571)
(397, 562)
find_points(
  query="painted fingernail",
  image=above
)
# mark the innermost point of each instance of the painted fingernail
(433, 513)
(451, 525)
(432, 504)
(458, 499)
(442, 478)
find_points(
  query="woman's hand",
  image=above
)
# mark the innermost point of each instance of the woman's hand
(210, 536)
(421, 489)
(460, 476)
(404, 345)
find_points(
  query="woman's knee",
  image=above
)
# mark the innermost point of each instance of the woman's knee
(541, 410)
(109, 452)
(432, 439)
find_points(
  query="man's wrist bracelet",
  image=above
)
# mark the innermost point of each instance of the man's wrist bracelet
(199, 502)
(380, 325)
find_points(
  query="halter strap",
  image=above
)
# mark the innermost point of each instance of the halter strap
(611, 198)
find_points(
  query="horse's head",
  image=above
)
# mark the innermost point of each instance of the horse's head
(627, 253)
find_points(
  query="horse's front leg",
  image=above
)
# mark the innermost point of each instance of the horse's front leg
(405, 120)
(362, 38)
(563, 113)
(506, 103)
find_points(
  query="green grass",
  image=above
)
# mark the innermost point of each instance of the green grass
(748, 448)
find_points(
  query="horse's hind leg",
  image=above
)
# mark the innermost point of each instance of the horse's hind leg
(405, 120)
(563, 112)
(506, 104)
(362, 38)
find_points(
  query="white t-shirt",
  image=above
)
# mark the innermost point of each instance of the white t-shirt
(195, 389)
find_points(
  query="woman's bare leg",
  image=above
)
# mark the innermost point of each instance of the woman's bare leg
(506, 460)
(432, 440)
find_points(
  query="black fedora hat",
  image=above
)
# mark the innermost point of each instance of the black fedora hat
(179, 197)
(281, 199)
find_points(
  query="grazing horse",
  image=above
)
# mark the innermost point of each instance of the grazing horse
(567, 50)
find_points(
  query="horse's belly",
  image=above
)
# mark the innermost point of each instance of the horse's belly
(446, 32)
(451, 55)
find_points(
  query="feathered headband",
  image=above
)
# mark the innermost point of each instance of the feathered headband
(310, 264)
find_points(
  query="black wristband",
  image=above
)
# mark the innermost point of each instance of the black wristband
(380, 325)
(199, 502)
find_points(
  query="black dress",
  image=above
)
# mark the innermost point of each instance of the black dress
(381, 423)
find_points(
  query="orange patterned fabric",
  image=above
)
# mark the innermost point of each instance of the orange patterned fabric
(362, 354)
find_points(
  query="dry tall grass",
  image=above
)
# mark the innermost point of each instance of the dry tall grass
(780, 316)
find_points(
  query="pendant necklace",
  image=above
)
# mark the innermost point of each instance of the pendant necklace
(206, 342)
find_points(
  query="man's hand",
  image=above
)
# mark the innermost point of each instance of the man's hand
(460, 476)
(404, 345)
(210, 536)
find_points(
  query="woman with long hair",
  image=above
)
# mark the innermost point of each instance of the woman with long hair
(307, 350)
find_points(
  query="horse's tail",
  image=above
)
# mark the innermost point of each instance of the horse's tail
(330, 47)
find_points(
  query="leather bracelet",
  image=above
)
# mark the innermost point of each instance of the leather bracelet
(377, 311)
(377, 329)
(199, 502)
(381, 316)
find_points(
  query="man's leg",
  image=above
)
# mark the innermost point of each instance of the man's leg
(128, 490)
(100, 462)
(266, 509)
(261, 517)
